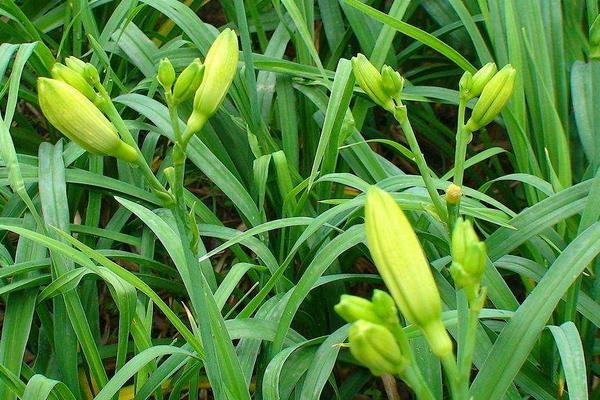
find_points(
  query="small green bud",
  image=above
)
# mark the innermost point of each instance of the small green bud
(385, 307)
(353, 308)
(469, 255)
(75, 64)
(166, 74)
(465, 84)
(595, 39)
(170, 175)
(374, 346)
(493, 98)
(403, 266)
(90, 73)
(392, 82)
(80, 120)
(453, 194)
(188, 81)
(220, 67)
(481, 78)
(74, 79)
(371, 82)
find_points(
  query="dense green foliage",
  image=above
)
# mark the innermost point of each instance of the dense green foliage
(101, 291)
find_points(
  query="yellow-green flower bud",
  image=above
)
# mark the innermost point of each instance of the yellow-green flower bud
(392, 82)
(464, 85)
(401, 262)
(481, 79)
(220, 67)
(494, 97)
(385, 307)
(90, 73)
(374, 346)
(453, 194)
(75, 64)
(74, 79)
(166, 74)
(188, 81)
(371, 82)
(353, 308)
(468, 255)
(595, 39)
(80, 120)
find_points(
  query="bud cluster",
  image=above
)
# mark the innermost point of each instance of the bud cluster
(494, 90)
(469, 257)
(71, 105)
(384, 88)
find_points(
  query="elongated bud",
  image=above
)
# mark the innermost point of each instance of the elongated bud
(482, 77)
(494, 97)
(371, 82)
(465, 84)
(77, 118)
(374, 346)
(220, 67)
(392, 82)
(468, 255)
(90, 73)
(453, 194)
(188, 81)
(166, 74)
(353, 308)
(74, 79)
(401, 262)
(75, 64)
(385, 307)
(595, 39)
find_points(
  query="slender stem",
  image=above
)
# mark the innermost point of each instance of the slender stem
(415, 380)
(449, 364)
(422, 165)
(462, 139)
(465, 361)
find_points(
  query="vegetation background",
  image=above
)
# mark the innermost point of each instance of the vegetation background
(275, 181)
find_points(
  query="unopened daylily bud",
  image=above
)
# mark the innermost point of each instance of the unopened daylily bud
(166, 74)
(353, 308)
(188, 81)
(90, 73)
(481, 78)
(74, 79)
(494, 97)
(468, 255)
(392, 82)
(595, 39)
(220, 67)
(80, 120)
(385, 307)
(465, 84)
(374, 346)
(453, 194)
(403, 266)
(75, 64)
(371, 82)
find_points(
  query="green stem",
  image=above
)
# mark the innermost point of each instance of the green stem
(421, 164)
(462, 139)
(415, 380)
(449, 364)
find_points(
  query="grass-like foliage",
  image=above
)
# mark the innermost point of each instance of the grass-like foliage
(299, 199)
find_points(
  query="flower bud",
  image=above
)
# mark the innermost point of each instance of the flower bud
(77, 118)
(595, 39)
(90, 73)
(401, 262)
(453, 194)
(74, 79)
(220, 67)
(75, 64)
(188, 81)
(481, 78)
(493, 98)
(385, 307)
(468, 255)
(392, 82)
(374, 346)
(353, 308)
(166, 74)
(371, 82)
